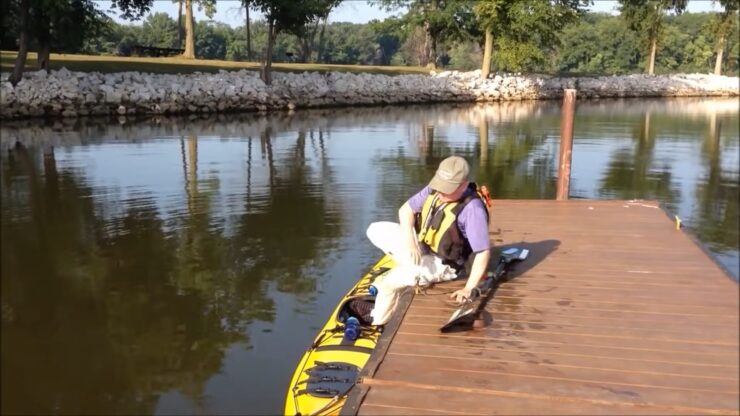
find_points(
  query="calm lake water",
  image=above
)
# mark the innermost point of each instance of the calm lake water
(183, 265)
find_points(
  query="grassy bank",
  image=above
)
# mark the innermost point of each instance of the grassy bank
(174, 65)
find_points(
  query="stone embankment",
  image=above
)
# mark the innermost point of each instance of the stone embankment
(70, 94)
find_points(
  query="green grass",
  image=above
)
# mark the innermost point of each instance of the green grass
(176, 65)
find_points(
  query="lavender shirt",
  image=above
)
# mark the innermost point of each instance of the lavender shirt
(473, 219)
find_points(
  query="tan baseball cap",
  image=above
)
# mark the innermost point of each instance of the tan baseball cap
(450, 174)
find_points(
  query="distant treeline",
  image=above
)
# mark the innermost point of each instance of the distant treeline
(598, 44)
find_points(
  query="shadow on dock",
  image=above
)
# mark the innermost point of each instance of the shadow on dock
(538, 251)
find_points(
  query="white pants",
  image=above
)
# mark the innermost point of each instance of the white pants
(388, 237)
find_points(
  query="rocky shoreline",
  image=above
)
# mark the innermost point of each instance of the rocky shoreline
(65, 93)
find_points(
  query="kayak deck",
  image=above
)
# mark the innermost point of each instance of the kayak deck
(330, 367)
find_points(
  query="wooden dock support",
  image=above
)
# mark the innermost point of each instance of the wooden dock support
(566, 143)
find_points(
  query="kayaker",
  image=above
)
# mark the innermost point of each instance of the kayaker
(442, 233)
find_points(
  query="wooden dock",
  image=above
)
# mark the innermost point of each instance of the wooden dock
(614, 312)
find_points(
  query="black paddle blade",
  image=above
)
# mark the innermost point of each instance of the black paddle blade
(466, 313)
(514, 254)
(463, 315)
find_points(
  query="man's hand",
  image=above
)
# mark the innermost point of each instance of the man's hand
(406, 219)
(462, 295)
(414, 250)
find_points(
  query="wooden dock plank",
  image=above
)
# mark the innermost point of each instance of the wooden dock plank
(586, 370)
(525, 344)
(400, 398)
(692, 335)
(614, 312)
(664, 365)
(453, 375)
(396, 402)
(672, 307)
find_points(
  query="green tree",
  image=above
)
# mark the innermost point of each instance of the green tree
(211, 40)
(132, 9)
(283, 43)
(691, 37)
(465, 55)
(439, 19)
(600, 44)
(236, 50)
(159, 30)
(284, 15)
(523, 31)
(389, 35)
(350, 43)
(306, 33)
(124, 37)
(62, 25)
(646, 17)
(413, 49)
(724, 24)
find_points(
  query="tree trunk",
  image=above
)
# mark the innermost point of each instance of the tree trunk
(311, 41)
(720, 52)
(249, 36)
(267, 62)
(653, 49)
(430, 47)
(488, 51)
(305, 46)
(179, 24)
(20, 60)
(44, 40)
(43, 54)
(189, 35)
(320, 49)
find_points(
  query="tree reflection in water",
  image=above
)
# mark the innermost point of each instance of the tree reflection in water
(717, 194)
(636, 175)
(102, 314)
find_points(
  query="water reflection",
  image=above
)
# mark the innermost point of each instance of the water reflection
(717, 193)
(634, 173)
(183, 264)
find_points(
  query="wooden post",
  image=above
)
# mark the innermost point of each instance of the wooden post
(566, 143)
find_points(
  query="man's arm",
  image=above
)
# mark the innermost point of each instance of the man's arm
(477, 271)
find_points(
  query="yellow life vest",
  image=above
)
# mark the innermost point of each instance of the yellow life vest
(438, 229)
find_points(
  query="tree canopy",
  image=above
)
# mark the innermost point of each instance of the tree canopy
(646, 18)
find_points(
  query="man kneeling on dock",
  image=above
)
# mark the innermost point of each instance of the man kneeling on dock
(443, 233)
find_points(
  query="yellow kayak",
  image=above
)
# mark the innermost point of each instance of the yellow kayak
(330, 367)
